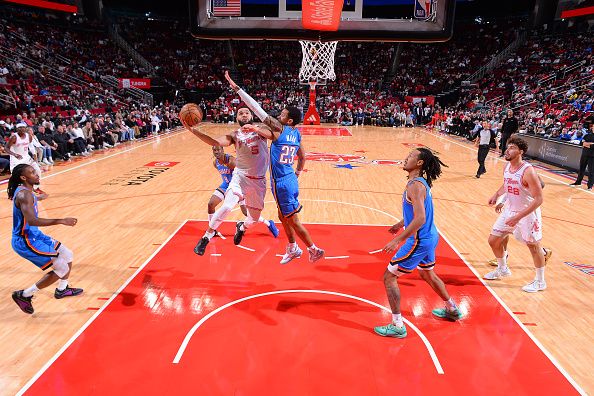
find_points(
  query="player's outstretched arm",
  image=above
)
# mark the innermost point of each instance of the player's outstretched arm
(25, 202)
(219, 141)
(261, 130)
(269, 121)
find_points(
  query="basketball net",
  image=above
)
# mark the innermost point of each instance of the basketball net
(317, 66)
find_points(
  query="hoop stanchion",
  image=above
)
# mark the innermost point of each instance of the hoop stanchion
(312, 117)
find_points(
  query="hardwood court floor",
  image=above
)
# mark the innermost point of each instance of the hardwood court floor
(127, 209)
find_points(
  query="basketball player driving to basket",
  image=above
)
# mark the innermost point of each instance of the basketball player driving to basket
(248, 181)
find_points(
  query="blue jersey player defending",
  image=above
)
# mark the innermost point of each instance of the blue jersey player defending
(225, 164)
(32, 244)
(286, 144)
(420, 241)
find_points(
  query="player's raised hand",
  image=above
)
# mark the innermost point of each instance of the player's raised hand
(234, 86)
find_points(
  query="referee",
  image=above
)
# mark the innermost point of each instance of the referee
(508, 128)
(587, 159)
(483, 138)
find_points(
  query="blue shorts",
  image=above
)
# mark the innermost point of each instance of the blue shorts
(414, 253)
(39, 249)
(223, 187)
(286, 193)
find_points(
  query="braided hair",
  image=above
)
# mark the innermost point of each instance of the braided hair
(431, 168)
(15, 180)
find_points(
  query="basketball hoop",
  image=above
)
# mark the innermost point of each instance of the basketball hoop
(317, 64)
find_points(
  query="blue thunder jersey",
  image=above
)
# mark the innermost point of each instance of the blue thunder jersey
(20, 228)
(427, 230)
(224, 170)
(283, 151)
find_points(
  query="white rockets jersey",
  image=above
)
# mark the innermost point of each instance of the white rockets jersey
(21, 147)
(518, 195)
(252, 154)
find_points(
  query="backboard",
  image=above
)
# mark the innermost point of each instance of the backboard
(361, 20)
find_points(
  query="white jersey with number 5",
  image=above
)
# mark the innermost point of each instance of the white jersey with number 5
(518, 195)
(252, 154)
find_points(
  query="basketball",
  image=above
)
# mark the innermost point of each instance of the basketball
(190, 114)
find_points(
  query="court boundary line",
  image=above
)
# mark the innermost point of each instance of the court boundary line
(473, 270)
(196, 326)
(514, 317)
(499, 300)
(496, 157)
(92, 161)
(75, 336)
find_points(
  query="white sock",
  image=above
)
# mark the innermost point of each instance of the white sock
(397, 320)
(293, 246)
(210, 217)
(312, 247)
(209, 235)
(502, 262)
(29, 292)
(263, 220)
(62, 284)
(450, 304)
(243, 227)
(540, 274)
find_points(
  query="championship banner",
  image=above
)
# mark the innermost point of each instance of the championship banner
(140, 83)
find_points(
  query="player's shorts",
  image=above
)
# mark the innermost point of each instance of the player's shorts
(221, 190)
(286, 193)
(414, 253)
(28, 160)
(39, 249)
(250, 189)
(528, 229)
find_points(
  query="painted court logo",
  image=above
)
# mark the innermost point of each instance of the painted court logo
(142, 174)
(358, 159)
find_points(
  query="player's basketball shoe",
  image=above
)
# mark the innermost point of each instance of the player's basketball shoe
(238, 233)
(67, 292)
(547, 253)
(390, 330)
(315, 254)
(535, 286)
(445, 313)
(272, 228)
(498, 274)
(23, 302)
(291, 254)
(201, 246)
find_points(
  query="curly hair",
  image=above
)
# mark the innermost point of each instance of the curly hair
(431, 168)
(15, 179)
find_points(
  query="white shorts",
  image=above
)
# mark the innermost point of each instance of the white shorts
(528, 229)
(251, 190)
(27, 160)
(217, 193)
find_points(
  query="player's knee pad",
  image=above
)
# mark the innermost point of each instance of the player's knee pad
(65, 254)
(60, 264)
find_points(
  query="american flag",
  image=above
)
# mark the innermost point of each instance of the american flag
(226, 7)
